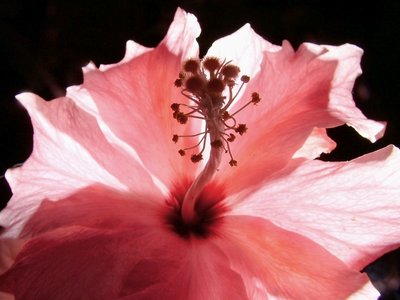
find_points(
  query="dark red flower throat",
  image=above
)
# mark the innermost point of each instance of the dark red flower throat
(209, 209)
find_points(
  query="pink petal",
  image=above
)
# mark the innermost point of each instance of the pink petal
(341, 105)
(70, 152)
(279, 264)
(244, 48)
(8, 251)
(132, 99)
(97, 206)
(123, 249)
(318, 142)
(6, 296)
(350, 208)
(300, 90)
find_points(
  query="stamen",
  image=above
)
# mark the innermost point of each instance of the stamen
(216, 144)
(241, 129)
(201, 141)
(226, 116)
(211, 64)
(245, 79)
(255, 98)
(175, 106)
(233, 163)
(196, 158)
(180, 117)
(178, 82)
(216, 86)
(190, 98)
(211, 87)
(232, 127)
(230, 71)
(192, 66)
(232, 98)
(194, 84)
(203, 82)
(231, 137)
(190, 135)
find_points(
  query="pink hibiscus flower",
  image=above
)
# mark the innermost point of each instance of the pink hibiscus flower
(106, 208)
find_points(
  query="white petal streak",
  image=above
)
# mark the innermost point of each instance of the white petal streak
(367, 292)
(179, 38)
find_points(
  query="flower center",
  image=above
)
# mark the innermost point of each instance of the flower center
(209, 210)
(209, 85)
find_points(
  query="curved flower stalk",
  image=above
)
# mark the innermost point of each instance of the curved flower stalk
(106, 207)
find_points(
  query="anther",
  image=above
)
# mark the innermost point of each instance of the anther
(216, 144)
(231, 138)
(241, 129)
(175, 106)
(211, 64)
(230, 82)
(245, 79)
(178, 82)
(194, 84)
(175, 138)
(226, 116)
(180, 117)
(196, 158)
(230, 71)
(191, 65)
(233, 163)
(216, 86)
(182, 152)
(255, 98)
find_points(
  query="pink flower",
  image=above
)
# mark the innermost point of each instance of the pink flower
(105, 207)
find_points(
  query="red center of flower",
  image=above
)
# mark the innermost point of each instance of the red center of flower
(209, 211)
(204, 83)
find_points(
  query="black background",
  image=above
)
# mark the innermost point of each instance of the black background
(43, 45)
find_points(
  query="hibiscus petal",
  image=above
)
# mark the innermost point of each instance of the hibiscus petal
(98, 225)
(315, 79)
(318, 142)
(367, 292)
(158, 271)
(133, 98)
(97, 206)
(350, 208)
(70, 152)
(278, 264)
(300, 90)
(8, 251)
(341, 105)
(244, 48)
(6, 296)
